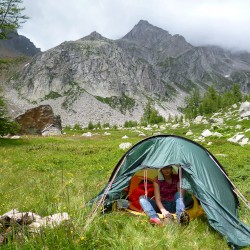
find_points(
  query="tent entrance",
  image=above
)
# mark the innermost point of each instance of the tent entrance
(139, 185)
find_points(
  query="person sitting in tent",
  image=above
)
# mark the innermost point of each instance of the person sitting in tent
(168, 198)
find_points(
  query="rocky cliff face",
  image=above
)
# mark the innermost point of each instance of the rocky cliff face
(17, 45)
(98, 79)
(183, 65)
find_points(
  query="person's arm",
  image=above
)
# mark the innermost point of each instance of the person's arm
(158, 200)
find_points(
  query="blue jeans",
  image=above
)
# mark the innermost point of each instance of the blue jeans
(150, 208)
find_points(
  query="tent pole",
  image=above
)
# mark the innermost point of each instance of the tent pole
(102, 199)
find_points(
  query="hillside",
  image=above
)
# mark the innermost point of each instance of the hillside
(101, 80)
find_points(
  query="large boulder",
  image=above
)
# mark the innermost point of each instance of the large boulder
(244, 110)
(35, 120)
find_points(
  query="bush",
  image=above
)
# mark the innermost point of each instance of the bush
(130, 124)
(91, 125)
(77, 127)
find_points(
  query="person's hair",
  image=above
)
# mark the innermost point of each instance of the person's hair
(168, 166)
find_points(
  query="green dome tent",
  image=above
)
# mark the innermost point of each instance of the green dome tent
(202, 175)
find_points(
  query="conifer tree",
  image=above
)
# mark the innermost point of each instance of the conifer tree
(192, 103)
(237, 93)
(11, 17)
(151, 115)
(6, 126)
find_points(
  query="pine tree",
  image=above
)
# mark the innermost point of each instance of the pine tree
(151, 115)
(192, 104)
(11, 17)
(6, 126)
(237, 93)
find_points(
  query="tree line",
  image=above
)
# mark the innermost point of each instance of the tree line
(211, 101)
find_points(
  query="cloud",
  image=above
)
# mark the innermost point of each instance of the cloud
(225, 23)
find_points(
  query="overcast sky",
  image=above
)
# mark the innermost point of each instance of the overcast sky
(202, 22)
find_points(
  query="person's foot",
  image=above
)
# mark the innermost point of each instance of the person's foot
(155, 221)
(183, 218)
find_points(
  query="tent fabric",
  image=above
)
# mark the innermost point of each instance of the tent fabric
(202, 175)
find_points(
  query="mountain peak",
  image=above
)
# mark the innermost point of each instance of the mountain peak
(95, 36)
(146, 34)
(154, 38)
(144, 23)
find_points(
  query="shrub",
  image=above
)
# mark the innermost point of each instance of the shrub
(91, 125)
(129, 124)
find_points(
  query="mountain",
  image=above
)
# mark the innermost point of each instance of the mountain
(17, 45)
(101, 80)
(184, 65)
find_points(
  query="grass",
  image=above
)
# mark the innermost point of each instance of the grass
(49, 175)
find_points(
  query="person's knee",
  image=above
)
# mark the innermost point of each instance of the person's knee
(143, 197)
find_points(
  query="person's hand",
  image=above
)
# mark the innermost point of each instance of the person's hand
(164, 212)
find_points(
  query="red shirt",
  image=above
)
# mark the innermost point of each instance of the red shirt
(168, 190)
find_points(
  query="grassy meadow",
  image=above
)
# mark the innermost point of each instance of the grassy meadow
(49, 175)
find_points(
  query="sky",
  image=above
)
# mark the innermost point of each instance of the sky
(225, 23)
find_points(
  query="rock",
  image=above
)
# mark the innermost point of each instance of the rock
(186, 124)
(217, 134)
(15, 137)
(198, 119)
(106, 133)
(56, 219)
(244, 110)
(156, 133)
(234, 106)
(35, 120)
(206, 133)
(238, 126)
(155, 126)
(218, 121)
(189, 133)
(32, 220)
(162, 127)
(147, 128)
(236, 138)
(51, 130)
(209, 143)
(142, 135)
(175, 126)
(2, 239)
(125, 137)
(88, 134)
(125, 145)
(244, 141)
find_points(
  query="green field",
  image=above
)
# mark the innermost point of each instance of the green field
(49, 175)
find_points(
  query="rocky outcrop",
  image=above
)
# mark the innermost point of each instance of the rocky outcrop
(35, 120)
(20, 223)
